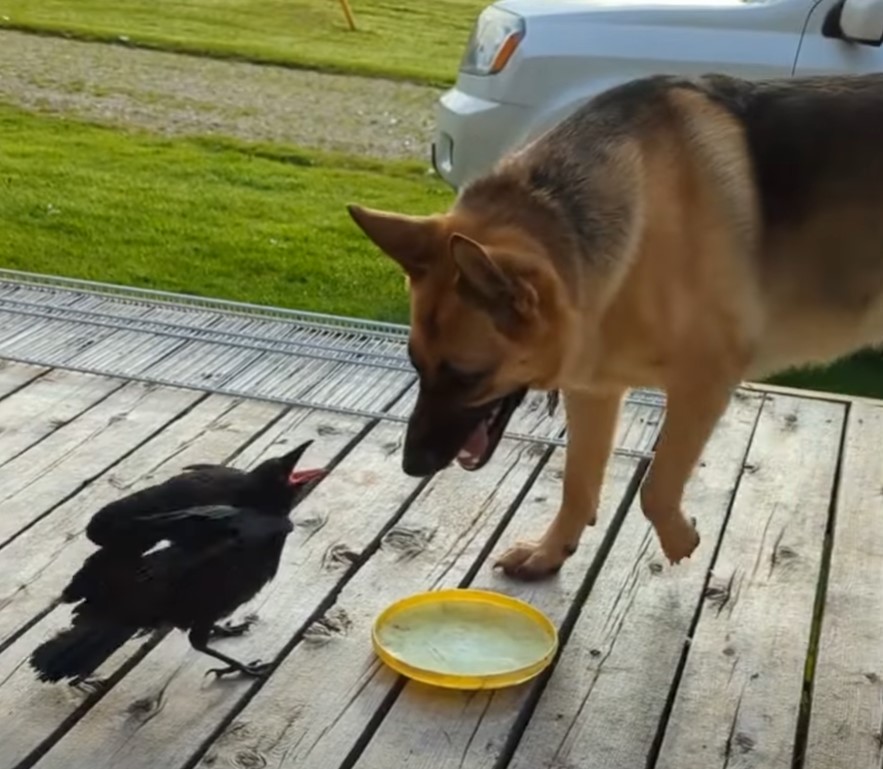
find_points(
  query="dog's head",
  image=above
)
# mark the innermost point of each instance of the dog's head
(484, 309)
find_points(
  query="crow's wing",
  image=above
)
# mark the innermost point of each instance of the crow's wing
(194, 527)
(195, 536)
(125, 523)
(201, 538)
(199, 468)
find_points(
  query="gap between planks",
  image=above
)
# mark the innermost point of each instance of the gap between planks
(845, 728)
(739, 697)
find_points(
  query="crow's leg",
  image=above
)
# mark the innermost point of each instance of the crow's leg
(199, 640)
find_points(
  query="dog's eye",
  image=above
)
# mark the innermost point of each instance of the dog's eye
(460, 378)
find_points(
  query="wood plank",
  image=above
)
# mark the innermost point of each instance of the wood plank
(16, 375)
(29, 711)
(604, 700)
(846, 724)
(46, 474)
(432, 728)
(36, 565)
(46, 404)
(739, 697)
(319, 701)
(44, 557)
(178, 707)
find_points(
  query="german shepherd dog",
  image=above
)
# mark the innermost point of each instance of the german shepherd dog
(672, 233)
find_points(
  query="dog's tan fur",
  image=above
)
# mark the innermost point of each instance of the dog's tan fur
(648, 241)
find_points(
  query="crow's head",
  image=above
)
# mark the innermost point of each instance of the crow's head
(277, 482)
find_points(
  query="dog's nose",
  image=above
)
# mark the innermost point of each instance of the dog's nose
(420, 463)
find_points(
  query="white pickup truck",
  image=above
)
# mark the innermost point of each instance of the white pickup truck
(529, 63)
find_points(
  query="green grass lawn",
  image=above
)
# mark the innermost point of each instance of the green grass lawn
(414, 39)
(253, 223)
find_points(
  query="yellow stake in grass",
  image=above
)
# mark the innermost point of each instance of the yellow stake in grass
(348, 12)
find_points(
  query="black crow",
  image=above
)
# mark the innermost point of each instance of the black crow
(184, 553)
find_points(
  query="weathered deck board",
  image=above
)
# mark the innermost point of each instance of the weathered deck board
(609, 689)
(215, 430)
(46, 555)
(58, 466)
(16, 375)
(846, 724)
(319, 700)
(739, 697)
(468, 729)
(45, 404)
(30, 712)
(180, 708)
(310, 731)
(628, 683)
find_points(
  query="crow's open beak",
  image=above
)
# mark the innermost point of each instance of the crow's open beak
(302, 477)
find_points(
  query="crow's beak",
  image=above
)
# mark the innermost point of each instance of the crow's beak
(302, 477)
(293, 457)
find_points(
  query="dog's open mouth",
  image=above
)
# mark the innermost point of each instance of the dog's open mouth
(482, 441)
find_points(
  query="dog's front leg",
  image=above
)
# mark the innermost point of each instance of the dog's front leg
(591, 425)
(692, 410)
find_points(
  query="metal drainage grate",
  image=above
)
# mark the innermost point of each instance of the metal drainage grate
(344, 365)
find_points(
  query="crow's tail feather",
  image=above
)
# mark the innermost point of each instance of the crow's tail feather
(78, 651)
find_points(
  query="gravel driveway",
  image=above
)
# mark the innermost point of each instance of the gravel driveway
(175, 94)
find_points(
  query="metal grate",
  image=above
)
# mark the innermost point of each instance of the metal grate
(344, 365)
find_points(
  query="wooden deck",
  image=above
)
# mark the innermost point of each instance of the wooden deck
(703, 666)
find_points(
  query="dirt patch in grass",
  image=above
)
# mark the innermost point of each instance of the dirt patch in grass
(179, 95)
(419, 41)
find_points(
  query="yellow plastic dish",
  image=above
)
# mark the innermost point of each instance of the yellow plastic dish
(465, 639)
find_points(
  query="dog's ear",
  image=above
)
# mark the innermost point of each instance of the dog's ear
(409, 240)
(509, 299)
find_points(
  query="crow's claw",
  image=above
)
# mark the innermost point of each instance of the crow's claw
(256, 669)
(88, 686)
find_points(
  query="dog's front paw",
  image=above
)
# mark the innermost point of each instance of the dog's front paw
(531, 561)
(678, 539)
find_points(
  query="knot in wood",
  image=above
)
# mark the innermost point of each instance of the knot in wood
(144, 706)
(408, 541)
(338, 556)
(249, 759)
(311, 523)
(536, 449)
(744, 743)
(783, 554)
(336, 622)
(390, 447)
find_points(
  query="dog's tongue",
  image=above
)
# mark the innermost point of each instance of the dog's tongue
(474, 448)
